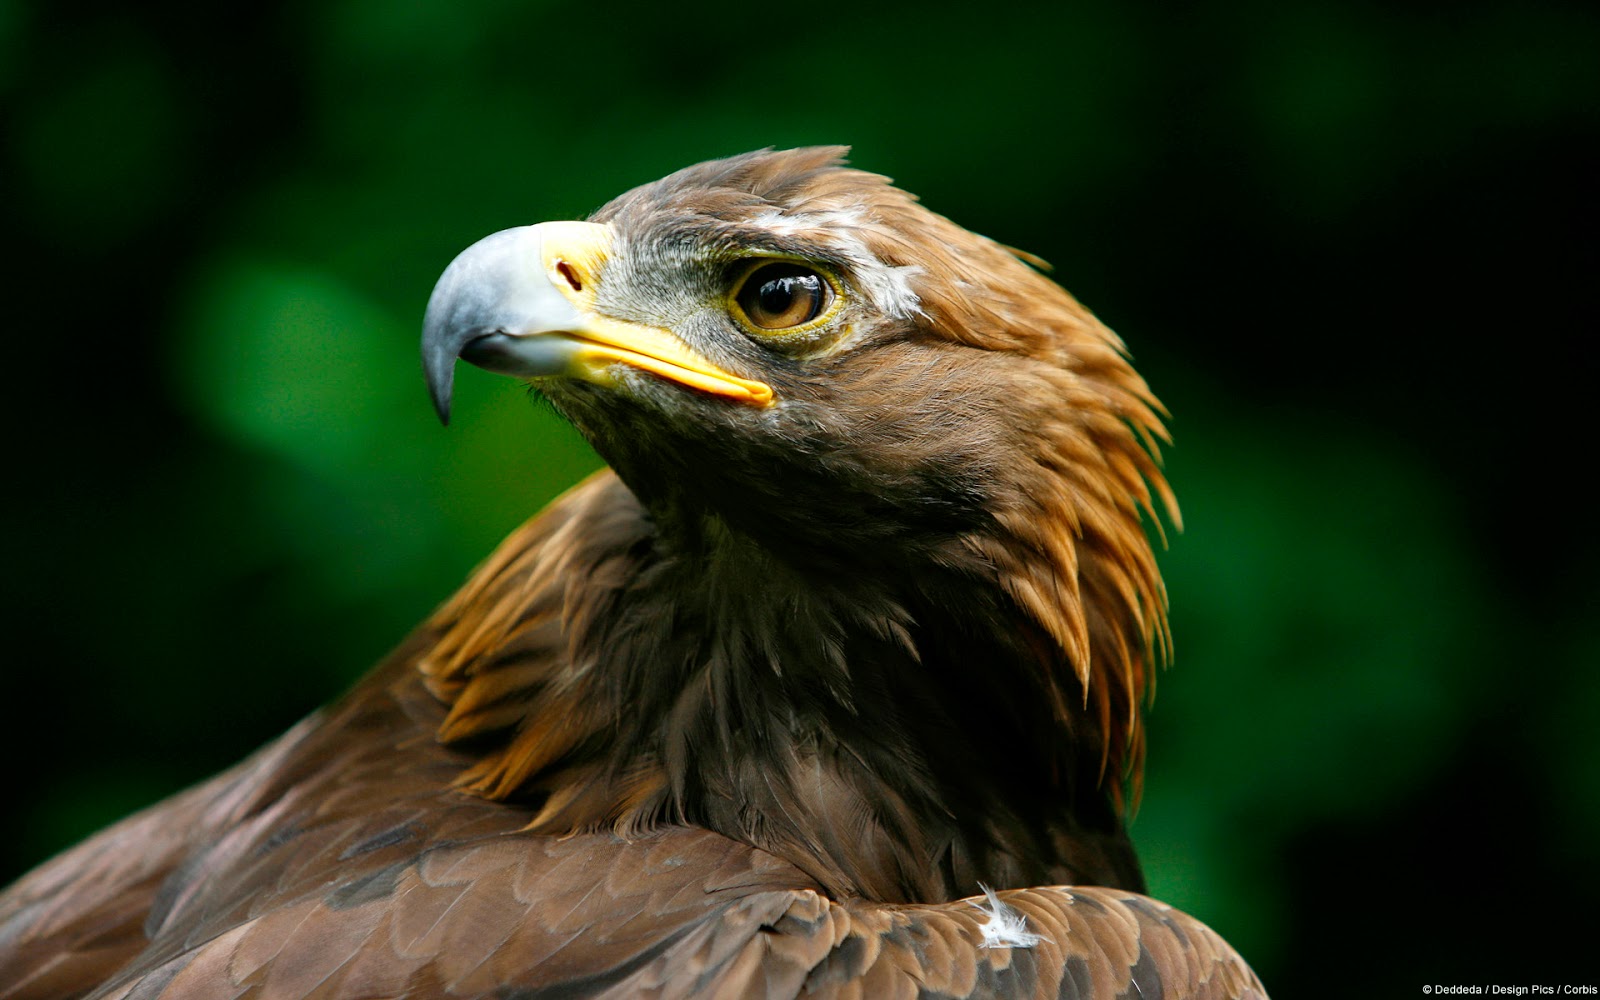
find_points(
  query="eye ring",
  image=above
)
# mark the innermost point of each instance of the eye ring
(783, 296)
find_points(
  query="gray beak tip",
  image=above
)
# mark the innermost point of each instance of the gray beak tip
(439, 369)
(494, 286)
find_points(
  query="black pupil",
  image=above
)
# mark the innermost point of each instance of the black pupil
(777, 295)
(785, 295)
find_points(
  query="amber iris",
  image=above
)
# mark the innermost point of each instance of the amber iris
(782, 295)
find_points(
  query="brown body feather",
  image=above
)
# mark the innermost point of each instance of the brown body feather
(859, 736)
(749, 719)
(339, 863)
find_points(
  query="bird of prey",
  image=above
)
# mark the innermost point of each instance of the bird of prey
(829, 686)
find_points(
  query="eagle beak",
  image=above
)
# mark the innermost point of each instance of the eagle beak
(521, 302)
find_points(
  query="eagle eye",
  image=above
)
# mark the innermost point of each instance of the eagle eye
(783, 295)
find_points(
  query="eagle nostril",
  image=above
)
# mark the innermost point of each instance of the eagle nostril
(571, 274)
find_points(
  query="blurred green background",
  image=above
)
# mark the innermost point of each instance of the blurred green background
(1344, 241)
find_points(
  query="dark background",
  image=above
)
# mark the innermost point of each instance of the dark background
(1350, 245)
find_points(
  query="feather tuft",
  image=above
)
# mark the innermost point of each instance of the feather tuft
(1006, 927)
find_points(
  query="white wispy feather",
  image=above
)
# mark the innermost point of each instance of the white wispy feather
(1006, 928)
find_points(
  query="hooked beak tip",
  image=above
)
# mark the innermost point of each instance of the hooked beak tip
(439, 370)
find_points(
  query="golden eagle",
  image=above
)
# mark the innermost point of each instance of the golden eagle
(830, 686)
